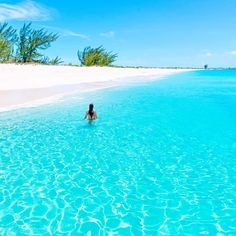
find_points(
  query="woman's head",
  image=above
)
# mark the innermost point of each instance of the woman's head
(91, 107)
(91, 110)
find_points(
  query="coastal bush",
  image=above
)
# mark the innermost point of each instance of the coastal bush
(96, 57)
(31, 41)
(7, 41)
(26, 47)
(56, 61)
(5, 50)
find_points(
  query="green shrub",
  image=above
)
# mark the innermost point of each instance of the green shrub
(56, 61)
(7, 41)
(96, 57)
(31, 41)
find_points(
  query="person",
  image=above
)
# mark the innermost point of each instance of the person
(91, 114)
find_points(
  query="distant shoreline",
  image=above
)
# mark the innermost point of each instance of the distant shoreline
(120, 66)
(30, 85)
(111, 66)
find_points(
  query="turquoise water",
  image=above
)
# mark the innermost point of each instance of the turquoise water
(161, 160)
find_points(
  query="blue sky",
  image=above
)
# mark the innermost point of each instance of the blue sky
(147, 33)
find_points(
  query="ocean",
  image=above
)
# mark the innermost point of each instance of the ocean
(160, 160)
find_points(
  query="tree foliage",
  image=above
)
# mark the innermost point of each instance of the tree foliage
(5, 50)
(31, 41)
(56, 61)
(8, 32)
(27, 46)
(47, 61)
(7, 41)
(96, 57)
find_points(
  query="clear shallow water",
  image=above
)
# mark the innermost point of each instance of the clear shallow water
(161, 160)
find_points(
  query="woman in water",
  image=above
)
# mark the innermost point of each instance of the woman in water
(91, 114)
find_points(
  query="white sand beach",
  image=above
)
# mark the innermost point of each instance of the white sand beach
(30, 85)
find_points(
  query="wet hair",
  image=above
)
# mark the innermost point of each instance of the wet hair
(90, 111)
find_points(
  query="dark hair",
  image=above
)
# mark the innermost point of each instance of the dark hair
(91, 112)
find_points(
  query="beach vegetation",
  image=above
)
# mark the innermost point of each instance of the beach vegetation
(56, 61)
(96, 57)
(7, 41)
(31, 42)
(27, 45)
(5, 50)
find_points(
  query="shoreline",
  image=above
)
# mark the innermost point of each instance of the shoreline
(25, 86)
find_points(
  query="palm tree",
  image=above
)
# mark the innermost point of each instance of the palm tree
(31, 41)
